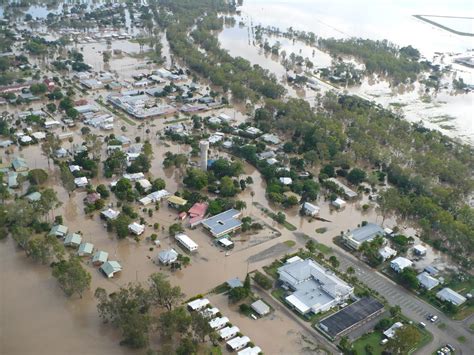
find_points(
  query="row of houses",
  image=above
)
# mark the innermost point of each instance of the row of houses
(99, 258)
(226, 331)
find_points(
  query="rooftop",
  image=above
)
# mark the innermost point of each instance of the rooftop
(223, 223)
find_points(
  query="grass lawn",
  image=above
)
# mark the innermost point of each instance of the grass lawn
(323, 248)
(372, 339)
(321, 230)
(272, 268)
(471, 327)
(289, 243)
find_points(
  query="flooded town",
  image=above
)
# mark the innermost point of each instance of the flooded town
(236, 177)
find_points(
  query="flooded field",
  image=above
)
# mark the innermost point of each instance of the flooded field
(449, 112)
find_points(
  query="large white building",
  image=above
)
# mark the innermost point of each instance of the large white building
(314, 288)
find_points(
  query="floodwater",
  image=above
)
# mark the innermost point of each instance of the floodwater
(447, 111)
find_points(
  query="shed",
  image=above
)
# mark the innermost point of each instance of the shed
(339, 203)
(34, 196)
(81, 181)
(20, 165)
(387, 252)
(309, 209)
(390, 332)
(110, 214)
(260, 307)
(419, 250)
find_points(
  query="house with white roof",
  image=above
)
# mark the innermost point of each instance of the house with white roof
(223, 223)
(228, 332)
(427, 281)
(198, 304)
(310, 210)
(218, 323)
(256, 350)
(313, 288)
(390, 332)
(386, 253)
(58, 230)
(168, 256)
(400, 263)
(449, 295)
(286, 180)
(81, 181)
(355, 238)
(136, 228)
(209, 313)
(109, 214)
(238, 343)
(186, 242)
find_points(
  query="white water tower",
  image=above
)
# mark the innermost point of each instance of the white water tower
(204, 146)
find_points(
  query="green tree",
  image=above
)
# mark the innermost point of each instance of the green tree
(200, 326)
(45, 249)
(333, 261)
(196, 179)
(175, 228)
(162, 294)
(237, 294)
(404, 340)
(408, 278)
(121, 225)
(37, 176)
(72, 277)
(127, 309)
(356, 176)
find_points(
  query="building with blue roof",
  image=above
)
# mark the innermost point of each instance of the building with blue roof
(223, 223)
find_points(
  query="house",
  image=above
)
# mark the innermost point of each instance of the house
(312, 287)
(167, 257)
(51, 124)
(238, 343)
(198, 304)
(228, 332)
(400, 263)
(419, 250)
(73, 240)
(110, 268)
(223, 223)
(196, 213)
(286, 180)
(13, 180)
(309, 209)
(34, 196)
(426, 281)
(58, 230)
(218, 323)
(448, 295)
(366, 233)
(235, 282)
(209, 313)
(26, 139)
(6, 143)
(186, 242)
(85, 249)
(136, 228)
(109, 214)
(390, 332)
(255, 350)
(100, 257)
(134, 177)
(348, 193)
(270, 138)
(176, 202)
(260, 307)
(145, 184)
(154, 197)
(386, 253)
(81, 181)
(60, 153)
(91, 198)
(74, 168)
(20, 165)
(253, 131)
(431, 270)
(339, 203)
